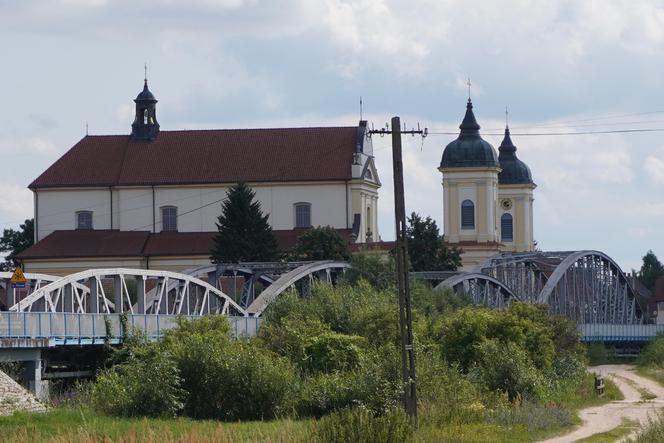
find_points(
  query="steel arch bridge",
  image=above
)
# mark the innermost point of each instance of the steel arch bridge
(197, 291)
(137, 291)
(584, 286)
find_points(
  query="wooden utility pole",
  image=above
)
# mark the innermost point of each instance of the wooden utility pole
(405, 316)
(405, 320)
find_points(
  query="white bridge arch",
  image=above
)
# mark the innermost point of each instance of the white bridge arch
(129, 291)
(304, 274)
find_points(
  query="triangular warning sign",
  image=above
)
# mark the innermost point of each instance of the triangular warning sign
(17, 276)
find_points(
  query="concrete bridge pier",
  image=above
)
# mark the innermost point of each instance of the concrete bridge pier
(32, 367)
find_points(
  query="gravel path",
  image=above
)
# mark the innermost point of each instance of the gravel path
(603, 418)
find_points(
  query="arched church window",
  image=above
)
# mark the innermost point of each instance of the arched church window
(302, 215)
(506, 228)
(84, 220)
(467, 215)
(145, 116)
(169, 218)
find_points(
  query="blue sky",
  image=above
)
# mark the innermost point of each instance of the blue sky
(251, 63)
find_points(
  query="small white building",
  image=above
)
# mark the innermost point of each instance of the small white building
(487, 198)
(151, 199)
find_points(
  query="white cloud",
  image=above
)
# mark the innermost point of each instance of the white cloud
(30, 146)
(15, 202)
(654, 167)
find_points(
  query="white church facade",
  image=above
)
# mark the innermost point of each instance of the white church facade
(487, 197)
(151, 199)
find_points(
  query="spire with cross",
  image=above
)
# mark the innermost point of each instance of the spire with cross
(469, 85)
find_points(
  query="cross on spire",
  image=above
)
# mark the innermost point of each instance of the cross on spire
(469, 85)
(145, 69)
(506, 118)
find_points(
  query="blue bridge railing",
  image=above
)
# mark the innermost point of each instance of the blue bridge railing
(23, 329)
(591, 332)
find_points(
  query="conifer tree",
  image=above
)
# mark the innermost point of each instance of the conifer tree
(244, 232)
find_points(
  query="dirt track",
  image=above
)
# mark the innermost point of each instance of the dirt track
(603, 418)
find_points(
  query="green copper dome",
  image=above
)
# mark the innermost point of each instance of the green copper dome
(469, 150)
(514, 171)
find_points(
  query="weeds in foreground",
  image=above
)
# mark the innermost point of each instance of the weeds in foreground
(653, 432)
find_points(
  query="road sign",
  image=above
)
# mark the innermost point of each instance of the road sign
(18, 277)
(18, 285)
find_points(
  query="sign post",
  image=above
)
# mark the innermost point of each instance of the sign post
(17, 279)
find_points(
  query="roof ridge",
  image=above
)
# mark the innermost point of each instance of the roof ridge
(232, 129)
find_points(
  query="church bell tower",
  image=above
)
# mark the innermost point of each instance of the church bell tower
(145, 127)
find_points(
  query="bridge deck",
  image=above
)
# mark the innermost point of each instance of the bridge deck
(48, 329)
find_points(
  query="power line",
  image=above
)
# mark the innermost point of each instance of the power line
(530, 134)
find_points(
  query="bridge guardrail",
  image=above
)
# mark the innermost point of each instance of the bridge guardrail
(81, 329)
(619, 333)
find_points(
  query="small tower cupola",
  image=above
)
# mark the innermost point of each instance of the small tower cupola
(513, 171)
(145, 126)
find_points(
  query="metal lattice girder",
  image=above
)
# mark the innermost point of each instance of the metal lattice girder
(86, 291)
(34, 281)
(289, 279)
(585, 286)
(481, 288)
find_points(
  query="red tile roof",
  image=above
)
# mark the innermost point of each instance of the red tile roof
(107, 243)
(88, 243)
(207, 156)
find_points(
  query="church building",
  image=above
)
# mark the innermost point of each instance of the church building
(487, 198)
(150, 199)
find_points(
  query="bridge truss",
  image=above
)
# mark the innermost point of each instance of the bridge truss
(197, 291)
(137, 291)
(482, 289)
(584, 286)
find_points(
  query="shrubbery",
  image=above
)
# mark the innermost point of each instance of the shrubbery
(147, 384)
(336, 355)
(653, 353)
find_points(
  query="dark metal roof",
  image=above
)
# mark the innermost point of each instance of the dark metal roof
(469, 149)
(145, 94)
(514, 171)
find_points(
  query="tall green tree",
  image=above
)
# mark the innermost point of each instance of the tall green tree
(244, 232)
(320, 243)
(426, 247)
(14, 242)
(651, 270)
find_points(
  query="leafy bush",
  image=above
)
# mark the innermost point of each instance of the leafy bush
(331, 352)
(374, 385)
(597, 354)
(320, 243)
(446, 395)
(432, 303)
(360, 425)
(147, 384)
(505, 367)
(377, 268)
(228, 379)
(653, 353)
(523, 325)
(352, 310)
